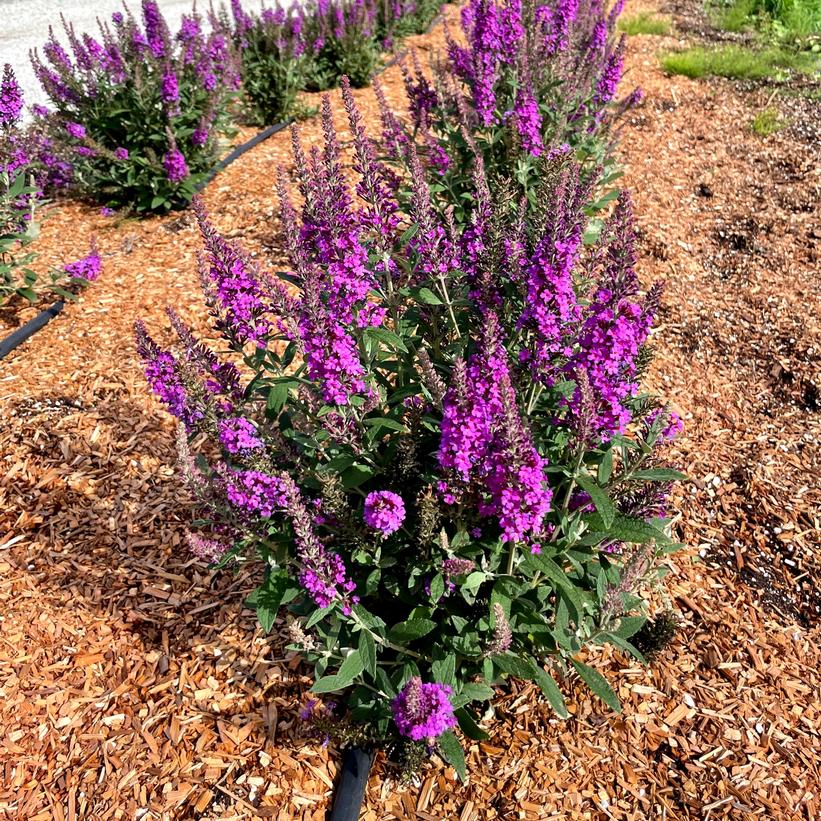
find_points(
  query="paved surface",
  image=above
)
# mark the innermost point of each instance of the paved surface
(24, 24)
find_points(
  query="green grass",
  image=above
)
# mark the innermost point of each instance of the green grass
(767, 122)
(738, 63)
(644, 23)
(793, 20)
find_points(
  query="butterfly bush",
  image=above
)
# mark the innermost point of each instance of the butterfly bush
(521, 80)
(21, 197)
(273, 50)
(432, 436)
(136, 110)
(342, 40)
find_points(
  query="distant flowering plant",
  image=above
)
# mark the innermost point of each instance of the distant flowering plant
(341, 38)
(21, 180)
(272, 48)
(438, 449)
(136, 110)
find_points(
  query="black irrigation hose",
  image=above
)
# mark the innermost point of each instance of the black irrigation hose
(241, 149)
(42, 319)
(31, 327)
(350, 789)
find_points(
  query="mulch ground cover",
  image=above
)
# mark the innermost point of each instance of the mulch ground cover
(133, 684)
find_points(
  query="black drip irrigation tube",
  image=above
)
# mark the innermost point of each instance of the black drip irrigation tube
(350, 789)
(241, 149)
(31, 327)
(24, 332)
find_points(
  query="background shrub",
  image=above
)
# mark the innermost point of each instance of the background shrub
(274, 61)
(139, 112)
(20, 199)
(341, 37)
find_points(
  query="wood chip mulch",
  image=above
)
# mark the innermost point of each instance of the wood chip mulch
(133, 684)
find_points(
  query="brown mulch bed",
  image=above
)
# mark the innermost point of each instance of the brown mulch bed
(134, 685)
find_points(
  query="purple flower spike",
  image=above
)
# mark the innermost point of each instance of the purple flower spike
(176, 169)
(238, 435)
(422, 711)
(11, 98)
(76, 130)
(384, 511)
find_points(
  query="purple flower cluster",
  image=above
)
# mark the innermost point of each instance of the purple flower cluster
(485, 447)
(384, 511)
(256, 493)
(321, 572)
(671, 424)
(423, 711)
(164, 376)
(76, 130)
(11, 99)
(87, 268)
(232, 285)
(239, 435)
(176, 168)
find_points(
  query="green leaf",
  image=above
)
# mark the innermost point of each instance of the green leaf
(626, 529)
(437, 587)
(629, 626)
(367, 650)
(453, 753)
(377, 422)
(276, 590)
(606, 467)
(355, 476)
(660, 475)
(468, 725)
(317, 616)
(426, 296)
(551, 691)
(444, 670)
(513, 666)
(476, 691)
(598, 684)
(622, 644)
(327, 684)
(388, 338)
(599, 497)
(350, 669)
(278, 396)
(410, 630)
(559, 578)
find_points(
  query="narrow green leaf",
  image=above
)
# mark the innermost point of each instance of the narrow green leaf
(453, 753)
(367, 650)
(444, 670)
(410, 630)
(598, 684)
(629, 626)
(327, 684)
(349, 669)
(468, 725)
(551, 691)
(553, 572)
(660, 475)
(599, 497)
